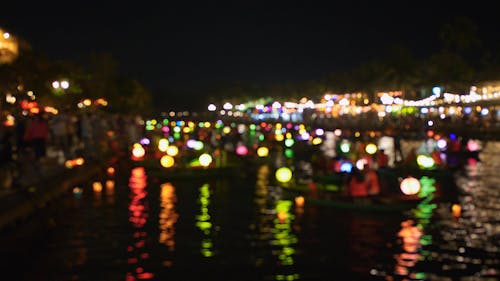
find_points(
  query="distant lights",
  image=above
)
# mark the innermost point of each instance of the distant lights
(436, 90)
(212, 107)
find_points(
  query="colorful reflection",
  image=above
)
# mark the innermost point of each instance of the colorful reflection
(167, 218)
(413, 236)
(203, 221)
(284, 240)
(138, 216)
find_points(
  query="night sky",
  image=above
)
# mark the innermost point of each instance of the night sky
(191, 46)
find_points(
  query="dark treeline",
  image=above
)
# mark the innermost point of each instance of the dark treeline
(463, 59)
(96, 76)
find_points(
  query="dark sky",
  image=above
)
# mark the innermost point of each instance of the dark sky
(191, 46)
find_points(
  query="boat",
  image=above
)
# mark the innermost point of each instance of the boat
(155, 169)
(337, 200)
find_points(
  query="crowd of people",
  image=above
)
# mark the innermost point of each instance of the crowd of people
(46, 139)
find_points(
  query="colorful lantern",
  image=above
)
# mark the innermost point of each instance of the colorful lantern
(283, 174)
(205, 159)
(167, 161)
(371, 148)
(262, 151)
(410, 186)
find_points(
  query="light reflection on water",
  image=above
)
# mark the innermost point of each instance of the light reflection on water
(195, 229)
(463, 237)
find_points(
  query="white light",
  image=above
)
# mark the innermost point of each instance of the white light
(227, 106)
(430, 123)
(212, 107)
(386, 99)
(320, 132)
(6, 35)
(436, 90)
(64, 84)
(55, 84)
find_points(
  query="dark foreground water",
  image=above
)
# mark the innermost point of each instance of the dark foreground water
(241, 228)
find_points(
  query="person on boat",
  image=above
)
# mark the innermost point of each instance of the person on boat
(363, 183)
(382, 159)
(357, 186)
(372, 181)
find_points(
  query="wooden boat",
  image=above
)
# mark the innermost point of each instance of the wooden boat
(154, 169)
(337, 200)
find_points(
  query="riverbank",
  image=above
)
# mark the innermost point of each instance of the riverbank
(35, 190)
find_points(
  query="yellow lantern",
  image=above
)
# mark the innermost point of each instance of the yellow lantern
(410, 186)
(456, 209)
(138, 151)
(167, 161)
(283, 174)
(371, 148)
(163, 145)
(172, 150)
(262, 151)
(97, 186)
(299, 201)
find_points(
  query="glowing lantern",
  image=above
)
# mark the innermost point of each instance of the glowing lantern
(410, 186)
(97, 186)
(299, 201)
(163, 145)
(289, 142)
(472, 145)
(425, 161)
(346, 167)
(282, 216)
(241, 150)
(79, 161)
(167, 161)
(138, 151)
(317, 141)
(191, 143)
(345, 147)
(205, 159)
(110, 171)
(320, 132)
(283, 174)
(198, 145)
(360, 164)
(145, 141)
(172, 150)
(262, 151)
(441, 144)
(456, 210)
(110, 185)
(77, 191)
(371, 148)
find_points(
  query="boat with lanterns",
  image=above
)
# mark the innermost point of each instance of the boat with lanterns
(412, 191)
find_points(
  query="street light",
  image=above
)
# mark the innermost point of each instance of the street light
(9, 49)
(60, 86)
(64, 84)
